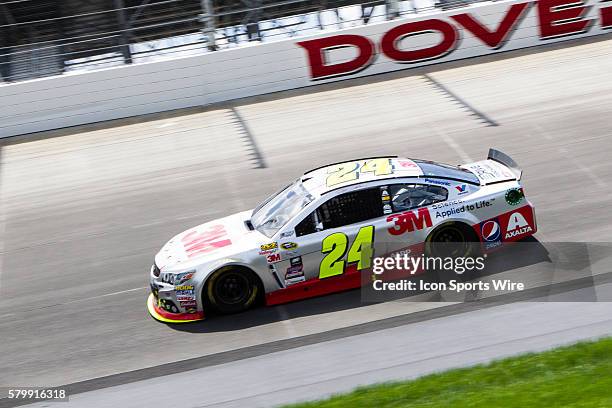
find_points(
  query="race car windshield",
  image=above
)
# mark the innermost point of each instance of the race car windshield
(277, 211)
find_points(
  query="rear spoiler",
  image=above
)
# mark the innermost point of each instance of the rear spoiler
(497, 168)
(504, 159)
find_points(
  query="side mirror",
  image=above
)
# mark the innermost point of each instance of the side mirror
(319, 226)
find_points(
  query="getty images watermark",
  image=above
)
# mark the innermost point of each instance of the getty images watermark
(412, 265)
(412, 274)
(521, 271)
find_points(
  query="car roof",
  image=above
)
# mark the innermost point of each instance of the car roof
(319, 182)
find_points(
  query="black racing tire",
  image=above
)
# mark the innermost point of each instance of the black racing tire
(232, 290)
(454, 240)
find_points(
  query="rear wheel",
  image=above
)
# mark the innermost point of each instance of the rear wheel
(232, 290)
(454, 240)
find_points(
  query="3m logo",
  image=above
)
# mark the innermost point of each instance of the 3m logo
(199, 242)
(517, 226)
(409, 221)
(273, 258)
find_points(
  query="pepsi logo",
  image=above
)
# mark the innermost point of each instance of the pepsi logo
(491, 231)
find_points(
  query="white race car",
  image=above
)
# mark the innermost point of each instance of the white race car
(318, 235)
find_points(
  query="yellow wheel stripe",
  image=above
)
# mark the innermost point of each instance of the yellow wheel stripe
(157, 316)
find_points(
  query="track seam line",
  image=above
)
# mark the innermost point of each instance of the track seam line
(561, 149)
(457, 99)
(452, 144)
(249, 138)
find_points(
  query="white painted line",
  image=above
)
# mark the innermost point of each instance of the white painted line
(146, 225)
(105, 295)
(77, 301)
(97, 297)
(588, 172)
(167, 124)
(452, 144)
(286, 321)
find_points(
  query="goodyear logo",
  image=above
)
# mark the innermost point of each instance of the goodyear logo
(269, 247)
(184, 287)
(289, 245)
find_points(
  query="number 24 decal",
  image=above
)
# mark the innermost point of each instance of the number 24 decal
(335, 246)
(345, 172)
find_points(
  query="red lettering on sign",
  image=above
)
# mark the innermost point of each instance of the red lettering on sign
(391, 40)
(606, 16)
(559, 18)
(494, 39)
(320, 68)
(555, 18)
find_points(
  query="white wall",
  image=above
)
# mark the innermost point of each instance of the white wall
(81, 98)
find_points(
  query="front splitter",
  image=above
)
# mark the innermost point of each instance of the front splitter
(163, 316)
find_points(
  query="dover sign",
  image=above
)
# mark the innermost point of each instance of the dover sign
(476, 32)
(416, 40)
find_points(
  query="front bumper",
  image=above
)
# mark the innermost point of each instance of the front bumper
(164, 316)
(164, 304)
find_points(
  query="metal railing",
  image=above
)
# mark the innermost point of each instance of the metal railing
(40, 38)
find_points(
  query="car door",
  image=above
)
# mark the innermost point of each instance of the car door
(410, 219)
(335, 238)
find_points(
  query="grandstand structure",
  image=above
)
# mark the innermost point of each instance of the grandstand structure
(45, 37)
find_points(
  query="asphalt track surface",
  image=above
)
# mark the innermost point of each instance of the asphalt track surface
(83, 213)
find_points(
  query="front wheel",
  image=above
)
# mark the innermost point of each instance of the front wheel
(232, 290)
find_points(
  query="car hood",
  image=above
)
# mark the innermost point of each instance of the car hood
(221, 238)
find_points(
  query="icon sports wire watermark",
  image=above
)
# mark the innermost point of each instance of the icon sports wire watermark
(527, 270)
(457, 267)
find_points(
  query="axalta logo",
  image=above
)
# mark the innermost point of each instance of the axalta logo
(403, 43)
(491, 233)
(517, 225)
(409, 221)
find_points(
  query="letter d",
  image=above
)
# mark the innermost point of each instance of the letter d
(317, 55)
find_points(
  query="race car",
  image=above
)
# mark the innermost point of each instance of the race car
(318, 234)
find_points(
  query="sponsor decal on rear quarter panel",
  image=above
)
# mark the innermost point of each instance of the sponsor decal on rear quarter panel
(491, 233)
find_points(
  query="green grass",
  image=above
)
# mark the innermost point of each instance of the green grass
(576, 376)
